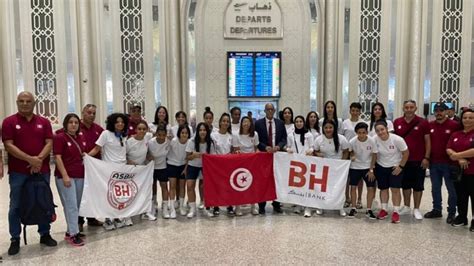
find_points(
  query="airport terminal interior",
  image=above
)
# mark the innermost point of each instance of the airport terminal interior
(187, 55)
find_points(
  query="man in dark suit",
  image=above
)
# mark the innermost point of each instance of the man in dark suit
(272, 138)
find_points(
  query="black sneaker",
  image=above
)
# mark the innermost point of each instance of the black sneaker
(14, 247)
(67, 235)
(48, 241)
(261, 211)
(352, 213)
(216, 211)
(93, 222)
(370, 214)
(76, 241)
(472, 226)
(230, 211)
(450, 219)
(433, 214)
(277, 208)
(458, 221)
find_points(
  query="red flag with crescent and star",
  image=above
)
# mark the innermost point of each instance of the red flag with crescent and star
(236, 179)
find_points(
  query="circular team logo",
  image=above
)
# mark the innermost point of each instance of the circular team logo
(432, 130)
(18, 127)
(241, 179)
(121, 192)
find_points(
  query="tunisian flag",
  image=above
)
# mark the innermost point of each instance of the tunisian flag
(237, 179)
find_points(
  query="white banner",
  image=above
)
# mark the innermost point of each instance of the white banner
(114, 190)
(310, 181)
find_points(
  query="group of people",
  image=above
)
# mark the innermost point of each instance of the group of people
(392, 156)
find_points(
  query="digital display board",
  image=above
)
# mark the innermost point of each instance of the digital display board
(253, 74)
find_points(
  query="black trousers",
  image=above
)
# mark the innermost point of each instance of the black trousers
(464, 190)
(275, 204)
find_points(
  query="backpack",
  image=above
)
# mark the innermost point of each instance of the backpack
(36, 204)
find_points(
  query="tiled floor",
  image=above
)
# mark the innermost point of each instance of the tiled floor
(273, 239)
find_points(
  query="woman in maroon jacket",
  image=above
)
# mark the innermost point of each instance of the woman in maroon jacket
(68, 147)
(461, 149)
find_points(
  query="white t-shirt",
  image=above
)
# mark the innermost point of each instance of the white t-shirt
(223, 142)
(327, 148)
(389, 127)
(197, 162)
(138, 149)
(294, 143)
(290, 128)
(112, 150)
(177, 153)
(159, 152)
(390, 151)
(314, 133)
(339, 125)
(245, 143)
(348, 128)
(235, 129)
(363, 152)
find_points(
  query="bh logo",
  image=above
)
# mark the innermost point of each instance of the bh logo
(122, 190)
(299, 176)
(241, 179)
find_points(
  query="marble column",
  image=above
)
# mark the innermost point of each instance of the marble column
(414, 88)
(84, 45)
(330, 50)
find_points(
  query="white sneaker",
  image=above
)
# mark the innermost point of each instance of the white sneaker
(254, 209)
(182, 210)
(154, 211)
(128, 221)
(342, 213)
(176, 204)
(192, 210)
(209, 213)
(108, 224)
(404, 210)
(201, 205)
(238, 211)
(119, 223)
(319, 212)
(307, 212)
(173, 213)
(165, 212)
(297, 209)
(148, 216)
(418, 215)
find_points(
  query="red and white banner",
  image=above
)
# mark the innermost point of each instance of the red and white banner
(237, 179)
(310, 181)
(115, 190)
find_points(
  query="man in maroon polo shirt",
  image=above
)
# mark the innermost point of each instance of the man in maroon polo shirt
(440, 131)
(28, 139)
(415, 131)
(91, 132)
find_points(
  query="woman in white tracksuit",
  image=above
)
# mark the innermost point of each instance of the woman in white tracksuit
(300, 142)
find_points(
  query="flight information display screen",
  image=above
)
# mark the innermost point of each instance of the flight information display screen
(254, 74)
